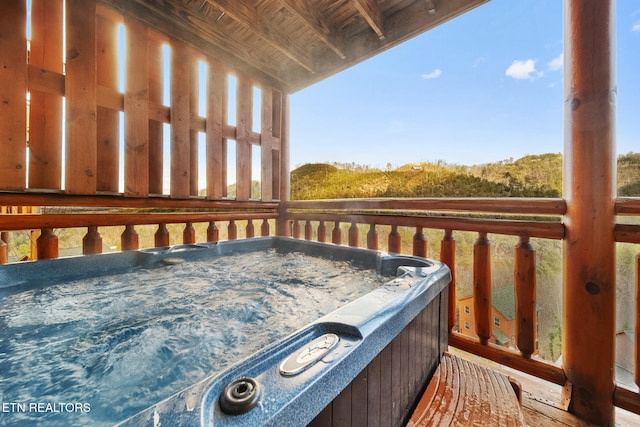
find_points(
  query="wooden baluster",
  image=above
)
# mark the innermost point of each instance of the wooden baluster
(394, 240)
(482, 287)
(372, 238)
(92, 241)
(4, 252)
(265, 229)
(336, 234)
(353, 235)
(232, 230)
(322, 232)
(525, 291)
(47, 244)
(213, 234)
(162, 236)
(296, 229)
(637, 330)
(419, 243)
(250, 231)
(189, 234)
(129, 239)
(448, 256)
(308, 231)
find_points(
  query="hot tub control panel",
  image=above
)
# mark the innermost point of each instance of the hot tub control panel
(305, 357)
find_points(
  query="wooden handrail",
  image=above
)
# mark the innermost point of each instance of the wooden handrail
(35, 221)
(512, 205)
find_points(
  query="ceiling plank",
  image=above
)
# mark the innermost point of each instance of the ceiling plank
(249, 18)
(317, 23)
(371, 13)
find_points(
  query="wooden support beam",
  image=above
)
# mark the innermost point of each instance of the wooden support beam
(13, 93)
(216, 118)
(249, 18)
(371, 13)
(318, 23)
(181, 75)
(80, 88)
(482, 287)
(589, 273)
(448, 256)
(244, 108)
(525, 292)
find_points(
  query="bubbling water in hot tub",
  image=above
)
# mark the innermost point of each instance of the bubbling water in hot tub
(120, 343)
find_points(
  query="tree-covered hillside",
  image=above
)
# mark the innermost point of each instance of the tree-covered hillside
(529, 176)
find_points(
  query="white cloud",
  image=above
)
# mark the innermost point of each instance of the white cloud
(523, 70)
(556, 63)
(478, 61)
(636, 26)
(432, 75)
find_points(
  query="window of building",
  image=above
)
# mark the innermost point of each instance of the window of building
(467, 325)
(467, 310)
(496, 321)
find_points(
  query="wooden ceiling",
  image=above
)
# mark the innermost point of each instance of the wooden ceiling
(291, 44)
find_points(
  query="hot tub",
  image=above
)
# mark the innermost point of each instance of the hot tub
(367, 359)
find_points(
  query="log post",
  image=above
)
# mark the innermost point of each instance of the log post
(213, 234)
(92, 241)
(232, 230)
(4, 252)
(336, 234)
(525, 291)
(637, 346)
(308, 231)
(322, 232)
(188, 234)
(589, 272)
(129, 239)
(394, 240)
(47, 244)
(250, 230)
(282, 221)
(448, 256)
(265, 230)
(296, 229)
(372, 238)
(482, 287)
(353, 235)
(161, 237)
(419, 243)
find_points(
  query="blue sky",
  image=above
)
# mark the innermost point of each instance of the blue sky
(483, 87)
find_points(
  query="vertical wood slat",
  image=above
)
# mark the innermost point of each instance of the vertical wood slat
(213, 234)
(13, 92)
(107, 125)
(129, 239)
(137, 127)
(45, 116)
(194, 99)
(448, 256)
(232, 230)
(336, 234)
(47, 244)
(80, 93)
(266, 144)
(216, 107)
(283, 170)
(155, 150)
(188, 234)
(92, 241)
(181, 73)
(353, 235)
(265, 231)
(419, 243)
(4, 252)
(243, 146)
(296, 229)
(482, 287)
(395, 243)
(322, 232)
(525, 291)
(250, 229)
(308, 230)
(372, 238)
(161, 237)
(276, 122)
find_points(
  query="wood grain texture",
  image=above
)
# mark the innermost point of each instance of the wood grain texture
(181, 74)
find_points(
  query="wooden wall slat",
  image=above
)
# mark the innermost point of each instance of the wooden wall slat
(194, 97)
(155, 125)
(80, 92)
(216, 117)
(266, 141)
(137, 127)
(13, 92)
(243, 147)
(45, 117)
(181, 71)
(107, 119)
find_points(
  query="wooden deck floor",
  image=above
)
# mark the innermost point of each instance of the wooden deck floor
(542, 401)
